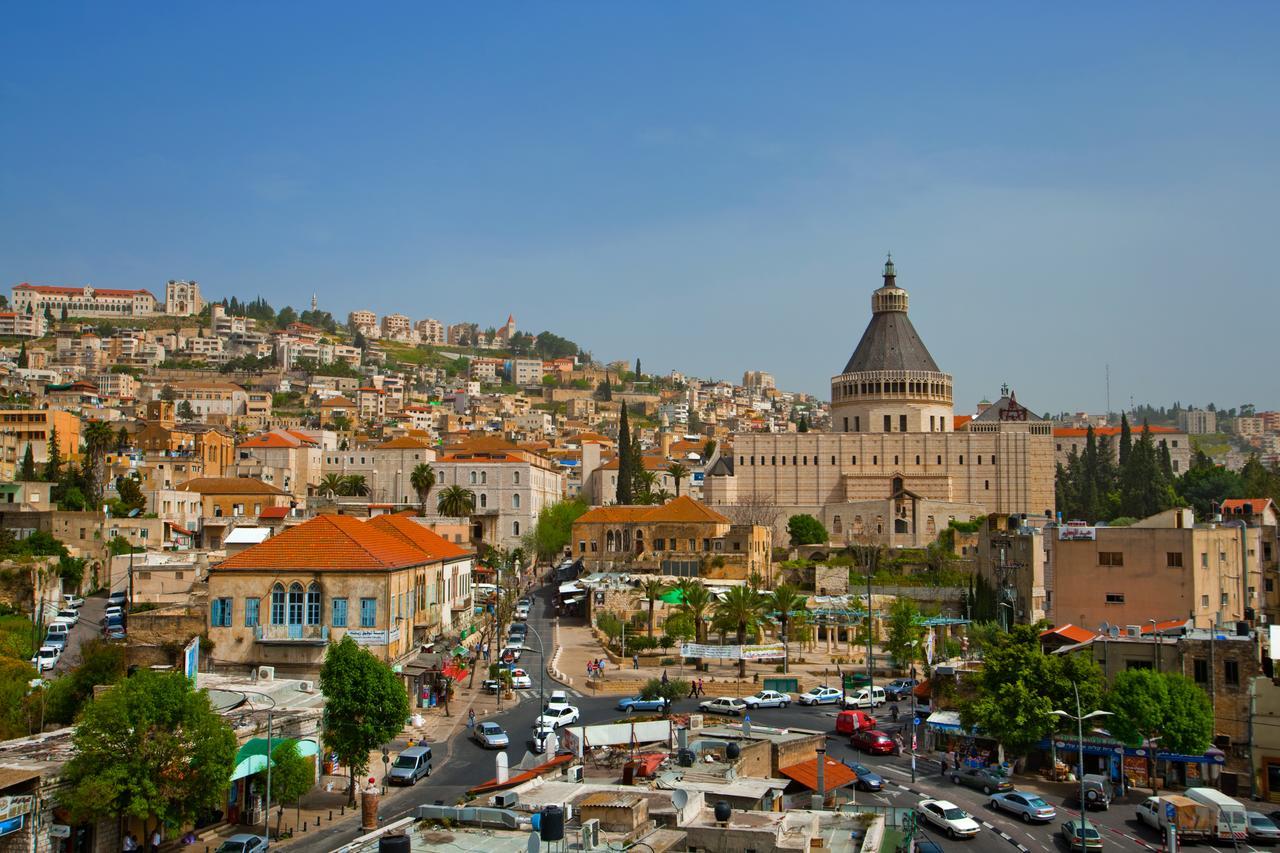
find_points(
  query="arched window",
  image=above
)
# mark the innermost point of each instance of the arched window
(295, 604)
(639, 541)
(484, 500)
(515, 477)
(515, 501)
(313, 604)
(277, 605)
(473, 478)
(608, 540)
(484, 478)
(515, 528)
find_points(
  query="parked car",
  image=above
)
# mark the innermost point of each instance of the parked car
(558, 697)
(899, 688)
(490, 736)
(46, 658)
(58, 627)
(864, 697)
(556, 716)
(948, 817)
(848, 722)
(114, 611)
(723, 705)
(69, 615)
(985, 779)
(411, 765)
(520, 679)
(510, 654)
(872, 742)
(1261, 829)
(1097, 792)
(117, 598)
(522, 611)
(517, 632)
(1075, 828)
(72, 600)
(543, 737)
(1026, 805)
(823, 695)
(113, 632)
(868, 779)
(243, 842)
(56, 640)
(638, 703)
(767, 699)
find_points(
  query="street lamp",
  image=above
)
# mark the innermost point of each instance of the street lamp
(1080, 718)
(1008, 622)
(542, 670)
(1155, 638)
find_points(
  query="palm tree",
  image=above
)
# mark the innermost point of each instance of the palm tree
(645, 481)
(785, 600)
(651, 590)
(661, 496)
(677, 472)
(423, 480)
(741, 608)
(354, 485)
(695, 601)
(456, 502)
(330, 484)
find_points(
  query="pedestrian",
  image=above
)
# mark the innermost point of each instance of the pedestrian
(471, 718)
(944, 764)
(130, 845)
(635, 661)
(155, 841)
(693, 689)
(702, 691)
(664, 676)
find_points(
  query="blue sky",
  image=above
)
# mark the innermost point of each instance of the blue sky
(709, 186)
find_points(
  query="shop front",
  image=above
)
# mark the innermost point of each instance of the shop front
(970, 748)
(1132, 767)
(247, 795)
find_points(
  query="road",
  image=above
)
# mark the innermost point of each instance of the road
(462, 764)
(87, 628)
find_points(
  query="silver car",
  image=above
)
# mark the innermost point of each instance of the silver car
(1026, 805)
(1261, 829)
(490, 736)
(243, 843)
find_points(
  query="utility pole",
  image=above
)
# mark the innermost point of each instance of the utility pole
(266, 803)
(913, 725)
(871, 669)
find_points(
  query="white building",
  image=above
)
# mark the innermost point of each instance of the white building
(431, 331)
(182, 298)
(86, 301)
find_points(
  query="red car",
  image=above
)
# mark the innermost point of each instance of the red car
(848, 722)
(873, 742)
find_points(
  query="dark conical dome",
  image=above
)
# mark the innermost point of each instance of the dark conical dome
(890, 342)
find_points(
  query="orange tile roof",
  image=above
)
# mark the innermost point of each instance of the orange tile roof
(404, 442)
(481, 444)
(272, 440)
(334, 402)
(423, 538)
(1237, 505)
(329, 543)
(303, 437)
(834, 774)
(960, 420)
(228, 486)
(1073, 633)
(274, 512)
(681, 510)
(1077, 432)
(480, 458)
(68, 291)
(1169, 625)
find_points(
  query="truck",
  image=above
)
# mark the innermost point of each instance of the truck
(1230, 820)
(1192, 820)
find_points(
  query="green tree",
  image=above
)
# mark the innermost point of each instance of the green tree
(626, 474)
(168, 394)
(803, 426)
(1205, 484)
(1259, 481)
(651, 590)
(185, 412)
(330, 484)
(551, 533)
(1126, 439)
(24, 360)
(365, 705)
(151, 747)
(53, 465)
(679, 627)
(1169, 706)
(423, 480)
(671, 690)
(17, 704)
(27, 473)
(100, 663)
(785, 601)
(677, 472)
(1144, 489)
(131, 496)
(122, 440)
(804, 529)
(741, 609)
(905, 633)
(1019, 685)
(695, 603)
(291, 774)
(456, 502)
(354, 486)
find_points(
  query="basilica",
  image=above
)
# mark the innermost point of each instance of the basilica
(897, 464)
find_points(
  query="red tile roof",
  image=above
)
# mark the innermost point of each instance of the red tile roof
(1236, 506)
(681, 510)
(1077, 432)
(68, 291)
(423, 538)
(273, 440)
(960, 420)
(330, 543)
(834, 774)
(403, 443)
(274, 512)
(228, 486)
(1071, 633)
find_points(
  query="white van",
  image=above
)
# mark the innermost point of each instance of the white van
(1232, 822)
(864, 697)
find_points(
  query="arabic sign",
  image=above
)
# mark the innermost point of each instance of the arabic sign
(1077, 533)
(371, 637)
(768, 651)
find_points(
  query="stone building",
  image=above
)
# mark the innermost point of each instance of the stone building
(898, 465)
(1179, 443)
(1198, 421)
(86, 301)
(182, 298)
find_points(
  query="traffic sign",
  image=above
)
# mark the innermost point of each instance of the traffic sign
(1169, 811)
(916, 721)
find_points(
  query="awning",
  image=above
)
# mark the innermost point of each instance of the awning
(575, 599)
(252, 757)
(947, 721)
(569, 588)
(672, 596)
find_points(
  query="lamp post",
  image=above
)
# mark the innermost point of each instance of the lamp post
(542, 671)
(1080, 718)
(1155, 638)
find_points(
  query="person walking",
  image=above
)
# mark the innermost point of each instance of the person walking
(944, 764)
(635, 661)
(130, 844)
(155, 841)
(693, 689)
(471, 718)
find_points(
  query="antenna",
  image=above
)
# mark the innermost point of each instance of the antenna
(1108, 392)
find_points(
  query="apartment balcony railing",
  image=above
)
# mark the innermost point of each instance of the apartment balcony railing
(300, 634)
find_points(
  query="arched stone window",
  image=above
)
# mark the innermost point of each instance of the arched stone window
(277, 605)
(295, 603)
(313, 604)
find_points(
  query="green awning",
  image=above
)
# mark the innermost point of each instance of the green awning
(673, 596)
(252, 757)
(460, 652)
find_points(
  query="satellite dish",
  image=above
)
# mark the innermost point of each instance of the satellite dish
(133, 513)
(680, 798)
(1114, 633)
(1104, 627)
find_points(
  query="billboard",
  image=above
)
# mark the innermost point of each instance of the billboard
(768, 651)
(1077, 533)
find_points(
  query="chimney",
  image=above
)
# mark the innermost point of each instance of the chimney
(820, 799)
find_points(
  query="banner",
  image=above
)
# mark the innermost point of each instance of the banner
(769, 651)
(1077, 533)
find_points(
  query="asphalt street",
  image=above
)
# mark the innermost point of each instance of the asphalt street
(87, 628)
(462, 764)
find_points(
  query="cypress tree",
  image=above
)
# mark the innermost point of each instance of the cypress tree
(1089, 477)
(638, 373)
(24, 360)
(1126, 439)
(625, 472)
(28, 473)
(804, 424)
(53, 468)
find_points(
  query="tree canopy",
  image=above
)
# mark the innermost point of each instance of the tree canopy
(804, 529)
(550, 535)
(1165, 705)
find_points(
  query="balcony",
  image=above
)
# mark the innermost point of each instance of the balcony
(313, 635)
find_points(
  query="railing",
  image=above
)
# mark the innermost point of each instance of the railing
(291, 633)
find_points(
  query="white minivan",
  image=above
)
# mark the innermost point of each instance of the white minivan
(864, 697)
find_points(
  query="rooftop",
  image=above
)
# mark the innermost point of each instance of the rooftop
(335, 543)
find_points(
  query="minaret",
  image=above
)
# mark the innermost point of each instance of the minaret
(314, 301)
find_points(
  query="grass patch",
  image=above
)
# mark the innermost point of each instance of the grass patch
(15, 637)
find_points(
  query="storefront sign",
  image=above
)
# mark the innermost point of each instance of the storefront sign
(769, 651)
(13, 824)
(372, 637)
(59, 830)
(1077, 533)
(16, 806)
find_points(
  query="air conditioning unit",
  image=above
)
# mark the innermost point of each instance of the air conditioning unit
(1133, 630)
(590, 834)
(504, 800)
(306, 687)
(266, 673)
(575, 773)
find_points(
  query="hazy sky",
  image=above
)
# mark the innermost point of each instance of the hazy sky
(710, 186)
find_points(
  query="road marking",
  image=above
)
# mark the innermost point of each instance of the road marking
(893, 769)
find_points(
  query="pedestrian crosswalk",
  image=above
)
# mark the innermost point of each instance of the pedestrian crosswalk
(533, 694)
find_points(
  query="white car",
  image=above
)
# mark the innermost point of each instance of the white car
(555, 716)
(69, 615)
(70, 600)
(767, 699)
(821, 696)
(522, 612)
(520, 680)
(863, 697)
(724, 705)
(46, 658)
(950, 818)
